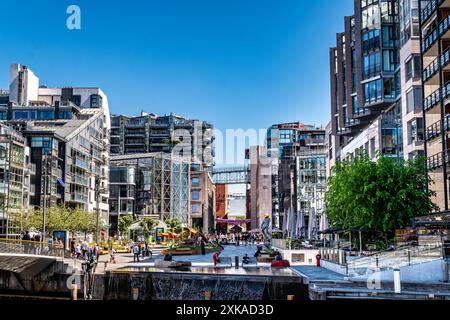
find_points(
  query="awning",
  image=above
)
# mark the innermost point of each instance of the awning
(61, 182)
(233, 222)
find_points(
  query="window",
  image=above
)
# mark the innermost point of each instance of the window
(195, 182)
(195, 195)
(372, 91)
(195, 208)
(96, 101)
(413, 67)
(46, 115)
(371, 65)
(414, 99)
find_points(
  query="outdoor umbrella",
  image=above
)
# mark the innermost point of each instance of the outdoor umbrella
(291, 223)
(324, 225)
(284, 222)
(288, 222)
(312, 224)
(301, 224)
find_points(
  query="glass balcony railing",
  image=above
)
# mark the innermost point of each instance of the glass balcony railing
(435, 130)
(430, 40)
(432, 100)
(428, 11)
(437, 161)
(79, 197)
(431, 70)
(81, 180)
(82, 164)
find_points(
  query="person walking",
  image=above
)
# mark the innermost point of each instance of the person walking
(84, 248)
(26, 242)
(72, 248)
(202, 247)
(135, 253)
(112, 256)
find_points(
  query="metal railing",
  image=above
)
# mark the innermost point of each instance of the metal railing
(15, 246)
(411, 255)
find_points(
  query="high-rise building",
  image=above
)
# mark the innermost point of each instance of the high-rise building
(375, 82)
(298, 154)
(155, 185)
(175, 136)
(261, 186)
(435, 46)
(66, 132)
(171, 133)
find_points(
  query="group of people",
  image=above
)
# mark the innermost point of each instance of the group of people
(237, 239)
(140, 249)
(82, 250)
(32, 243)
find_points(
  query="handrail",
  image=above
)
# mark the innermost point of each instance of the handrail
(16, 246)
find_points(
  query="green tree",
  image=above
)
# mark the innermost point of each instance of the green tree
(381, 195)
(147, 225)
(173, 223)
(125, 221)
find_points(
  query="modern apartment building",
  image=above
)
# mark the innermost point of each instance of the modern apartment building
(153, 185)
(435, 46)
(298, 153)
(66, 134)
(171, 133)
(376, 97)
(15, 172)
(177, 136)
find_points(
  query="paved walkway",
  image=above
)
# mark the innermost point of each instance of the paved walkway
(313, 273)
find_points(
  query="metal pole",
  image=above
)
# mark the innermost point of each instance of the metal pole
(97, 197)
(45, 163)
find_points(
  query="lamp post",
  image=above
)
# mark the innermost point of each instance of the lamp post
(44, 207)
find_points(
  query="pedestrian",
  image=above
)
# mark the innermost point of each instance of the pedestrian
(84, 248)
(216, 258)
(96, 251)
(135, 253)
(72, 248)
(202, 247)
(143, 251)
(26, 242)
(78, 251)
(112, 256)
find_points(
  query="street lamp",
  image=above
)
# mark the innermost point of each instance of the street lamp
(98, 191)
(45, 171)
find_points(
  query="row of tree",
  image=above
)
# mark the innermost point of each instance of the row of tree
(381, 195)
(59, 218)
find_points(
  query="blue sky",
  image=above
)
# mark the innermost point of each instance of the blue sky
(236, 63)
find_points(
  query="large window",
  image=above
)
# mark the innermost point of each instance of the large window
(413, 67)
(390, 60)
(371, 17)
(414, 99)
(372, 91)
(371, 65)
(195, 182)
(195, 195)
(371, 40)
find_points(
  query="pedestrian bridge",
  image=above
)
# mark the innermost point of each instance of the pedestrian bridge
(232, 175)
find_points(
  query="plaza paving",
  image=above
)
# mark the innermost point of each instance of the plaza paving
(126, 259)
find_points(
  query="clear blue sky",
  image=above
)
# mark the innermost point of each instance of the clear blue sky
(237, 63)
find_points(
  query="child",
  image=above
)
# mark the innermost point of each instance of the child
(112, 254)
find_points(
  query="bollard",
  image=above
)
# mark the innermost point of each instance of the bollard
(291, 297)
(207, 295)
(236, 262)
(135, 292)
(397, 281)
(74, 292)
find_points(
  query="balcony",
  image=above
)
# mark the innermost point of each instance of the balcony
(79, 197)
(81, 164)
(350, 122)
(80, 180)
(432, 100)
(372, 71)
(428, 44)
(344, 131)
(435, 130)
(429, 10)
(436, 161)
(430, 73)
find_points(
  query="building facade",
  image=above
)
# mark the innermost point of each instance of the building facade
(153, 185)
(376, 97)
(292, 148)
(66, 133)
(435, 36)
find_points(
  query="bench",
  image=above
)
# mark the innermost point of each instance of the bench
(252, 262)
(224, 262)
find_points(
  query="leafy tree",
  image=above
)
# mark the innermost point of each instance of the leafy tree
(125, 221)
(381, 195)
(173, 223)
(147, 225)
